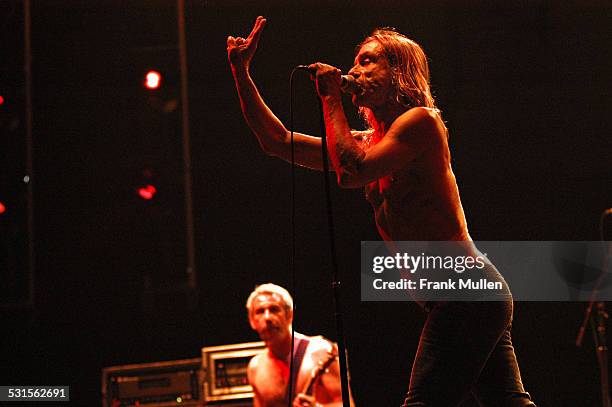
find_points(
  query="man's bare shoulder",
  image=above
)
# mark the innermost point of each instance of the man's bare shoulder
(420, 120)
(256, 363)
(422, 113)
(320, 345)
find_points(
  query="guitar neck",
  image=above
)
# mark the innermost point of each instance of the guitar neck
(317, 372)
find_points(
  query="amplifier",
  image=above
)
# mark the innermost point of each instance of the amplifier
(159, 384)
(225, 373)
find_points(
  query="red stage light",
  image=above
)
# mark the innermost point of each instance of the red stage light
(153, 80)
(2, 208)
(147, 192)
(1, 100)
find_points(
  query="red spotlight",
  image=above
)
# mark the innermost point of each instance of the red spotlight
(147, 192)
(2, 208)
(1, 100)
(153, 80)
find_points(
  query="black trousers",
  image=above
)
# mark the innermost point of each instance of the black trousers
(466, 349)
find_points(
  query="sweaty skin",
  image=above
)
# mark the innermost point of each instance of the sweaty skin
(403, 163)
(268, 372)
(420, 201)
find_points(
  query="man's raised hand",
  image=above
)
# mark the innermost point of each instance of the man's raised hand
(240, 51)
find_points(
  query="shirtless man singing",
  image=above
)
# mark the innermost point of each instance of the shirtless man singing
(403, 162)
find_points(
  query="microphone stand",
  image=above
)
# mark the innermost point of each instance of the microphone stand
(335, 277)
(602, 352)
(599, 331)
(342, 353)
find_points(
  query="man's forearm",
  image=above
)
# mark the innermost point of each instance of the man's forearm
(345, 154)
(268, 129)
(273, 136)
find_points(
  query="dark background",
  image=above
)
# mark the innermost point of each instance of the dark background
(524, 90)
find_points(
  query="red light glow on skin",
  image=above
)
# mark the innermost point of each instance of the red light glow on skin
(147, 192)
(152, 80)
(2, 208)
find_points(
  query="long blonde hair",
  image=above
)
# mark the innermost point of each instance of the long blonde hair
(409, 68)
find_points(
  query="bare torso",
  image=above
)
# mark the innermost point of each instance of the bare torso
(270, 376)
(420, 201)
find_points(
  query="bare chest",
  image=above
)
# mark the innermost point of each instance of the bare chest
(271, 383)
(404, 186)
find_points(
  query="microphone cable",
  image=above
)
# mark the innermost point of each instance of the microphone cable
(332, 243)
(293, 250)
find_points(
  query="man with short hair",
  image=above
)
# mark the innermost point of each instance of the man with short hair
(270, 312)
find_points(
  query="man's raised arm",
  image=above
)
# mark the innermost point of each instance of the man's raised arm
(272, 135)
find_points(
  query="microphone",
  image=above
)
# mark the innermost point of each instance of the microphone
(348, 84)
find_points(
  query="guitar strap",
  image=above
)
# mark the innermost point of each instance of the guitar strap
(298, 357)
